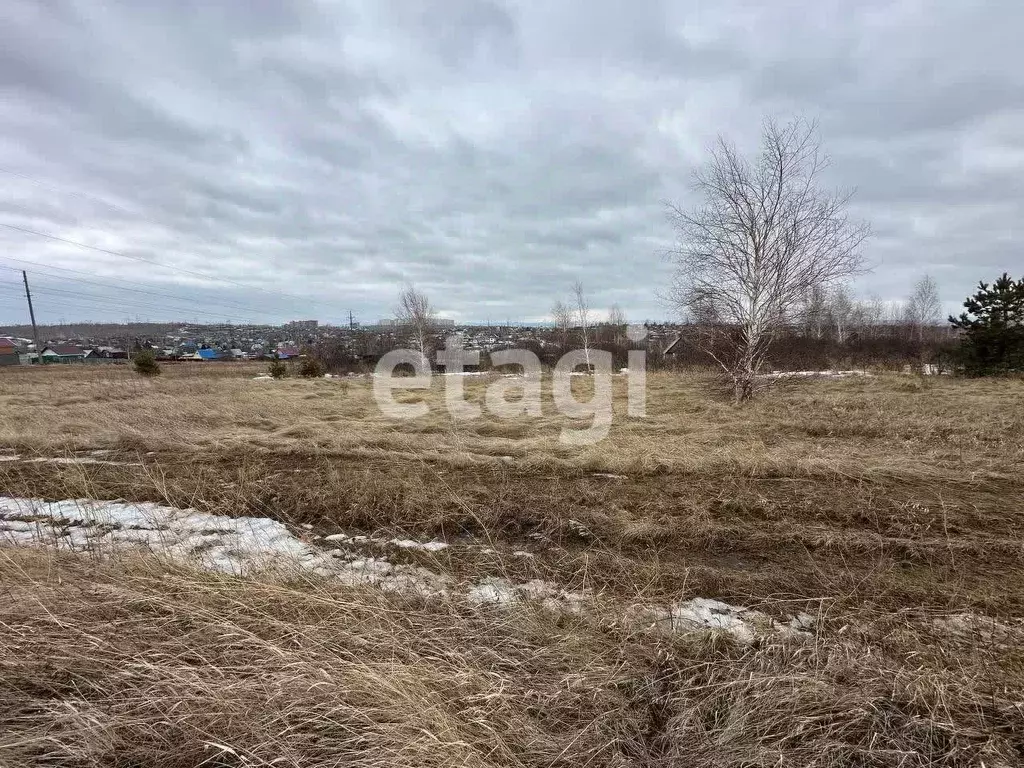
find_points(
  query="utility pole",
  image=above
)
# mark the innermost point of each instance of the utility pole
(32, 315)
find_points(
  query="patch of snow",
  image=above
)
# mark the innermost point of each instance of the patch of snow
(493, 551)
(81, 460)
(925, 369)
(263, 377)
(713, 614)
(229, 544)
(240, 545)
(495, 591)
(743, 624)
(371, 564)
(69, 460)
(803, 622)
(428, 546)
(826, 374)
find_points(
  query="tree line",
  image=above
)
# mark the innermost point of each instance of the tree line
(762, 264)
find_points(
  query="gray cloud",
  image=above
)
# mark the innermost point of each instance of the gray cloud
(310, 157)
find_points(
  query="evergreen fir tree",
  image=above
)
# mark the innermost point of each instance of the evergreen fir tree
(145, 363)
(277, 369)
(993, 328)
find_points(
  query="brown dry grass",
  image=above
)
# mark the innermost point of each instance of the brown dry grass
(882, 501)
(888, 424)
(896, 490)
(127, 664)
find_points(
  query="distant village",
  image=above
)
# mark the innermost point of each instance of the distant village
(336, 345)
(201, 343)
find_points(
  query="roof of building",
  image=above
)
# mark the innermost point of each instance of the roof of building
(208, 354)
(7, 342)
(64, 350)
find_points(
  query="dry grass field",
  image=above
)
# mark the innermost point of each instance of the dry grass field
(889, 508)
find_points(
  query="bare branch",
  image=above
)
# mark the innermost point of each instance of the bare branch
(415, 312)
(765, 237)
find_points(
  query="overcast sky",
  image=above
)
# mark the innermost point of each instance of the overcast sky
(490, 152)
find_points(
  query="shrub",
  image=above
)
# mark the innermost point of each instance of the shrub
(311, 368)
(277, 369)
(145, 363)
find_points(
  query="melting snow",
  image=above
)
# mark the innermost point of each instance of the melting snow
(828, 374)
(744, 624)
(501, 591)
(228, 544)
(427, 546)
(70, 460)
(243, 544)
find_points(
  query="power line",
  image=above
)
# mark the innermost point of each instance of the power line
(108, 281)
(93, 301)
(100, 200)
(143, 260)
(91, 297)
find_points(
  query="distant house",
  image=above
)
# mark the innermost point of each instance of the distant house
(107, 353)
(674, 347)
(201, 354)
(284, 353)
(63, 354)
(9, 352)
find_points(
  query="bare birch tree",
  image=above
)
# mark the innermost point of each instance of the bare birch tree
(765, 235)
(617, 323)
(561, 316)
(583, 317)
(415, 312)
(923, 308)
(616, 316)
(842, 313)
(872, 315)
(814, 312)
